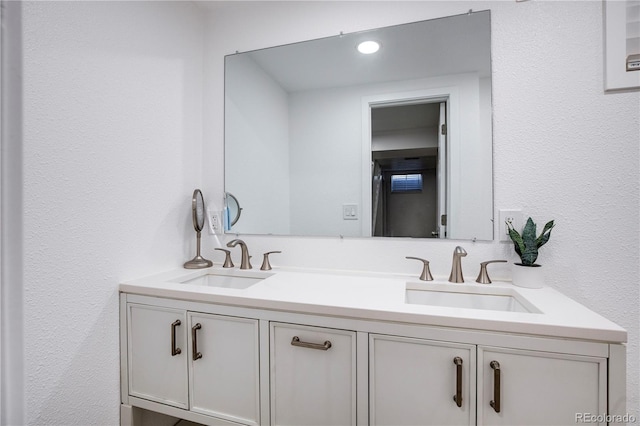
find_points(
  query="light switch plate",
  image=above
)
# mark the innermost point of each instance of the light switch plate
(350, 211)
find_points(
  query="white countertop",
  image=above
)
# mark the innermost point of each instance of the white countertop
(382, 297)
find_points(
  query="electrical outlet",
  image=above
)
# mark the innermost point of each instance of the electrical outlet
(514, 216)
(214, 218)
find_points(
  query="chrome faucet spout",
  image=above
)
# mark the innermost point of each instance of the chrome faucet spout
(456, 266)
(245, 263)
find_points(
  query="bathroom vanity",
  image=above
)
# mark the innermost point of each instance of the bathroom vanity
(226, 346)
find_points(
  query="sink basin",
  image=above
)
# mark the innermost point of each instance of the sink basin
(468, 297)
(223, 279)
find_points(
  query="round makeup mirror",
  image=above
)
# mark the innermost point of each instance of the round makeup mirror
(197, 214)
(234, 209)
(197, 207)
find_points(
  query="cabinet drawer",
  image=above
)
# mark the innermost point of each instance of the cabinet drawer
(313, 375)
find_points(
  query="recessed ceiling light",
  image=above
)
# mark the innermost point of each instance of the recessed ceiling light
(368, 47)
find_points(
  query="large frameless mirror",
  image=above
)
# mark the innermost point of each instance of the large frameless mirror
(323, 140)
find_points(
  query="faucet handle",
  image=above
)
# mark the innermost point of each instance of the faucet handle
(483, 276)
(266, 266)
(228, 263)
(426, 273)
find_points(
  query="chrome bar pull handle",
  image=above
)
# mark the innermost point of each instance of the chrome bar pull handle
(194, 341)
(322, 347)
(495, 402)
(458, 396)
(174, 351)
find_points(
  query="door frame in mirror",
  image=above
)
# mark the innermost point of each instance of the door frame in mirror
(446, 94)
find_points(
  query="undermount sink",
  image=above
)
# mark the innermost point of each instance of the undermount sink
(468, 297)
(223, 279)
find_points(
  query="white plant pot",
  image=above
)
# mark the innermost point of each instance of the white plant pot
(527, 276)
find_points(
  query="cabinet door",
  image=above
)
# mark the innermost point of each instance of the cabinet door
(224, 373)
(420, 382)
(538, 388)
(157, 354)
(313, 376)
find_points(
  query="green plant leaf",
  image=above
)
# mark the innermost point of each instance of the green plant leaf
(545, 235)
(529, 232)
(518, 244)
(529, 255)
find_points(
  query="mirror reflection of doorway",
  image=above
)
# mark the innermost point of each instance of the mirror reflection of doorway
(408, 144)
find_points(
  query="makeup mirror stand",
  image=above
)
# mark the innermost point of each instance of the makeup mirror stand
(197, 208)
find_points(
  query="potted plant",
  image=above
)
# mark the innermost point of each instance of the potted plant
(528, 273)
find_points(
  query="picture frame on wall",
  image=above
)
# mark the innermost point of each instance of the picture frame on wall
(621, 44)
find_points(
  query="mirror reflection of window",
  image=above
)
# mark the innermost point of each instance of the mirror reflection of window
(406, 183)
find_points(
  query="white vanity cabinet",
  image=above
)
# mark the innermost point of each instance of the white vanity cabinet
(421, 382)
(200, 362)
(313, 375)
(232, 361)
(538, 388)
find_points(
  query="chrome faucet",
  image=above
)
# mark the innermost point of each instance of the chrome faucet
(245, 263)
(456, 266)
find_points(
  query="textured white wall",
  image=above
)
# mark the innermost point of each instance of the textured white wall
(563, 149)
(112, 137)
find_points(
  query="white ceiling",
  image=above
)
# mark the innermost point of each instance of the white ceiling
(452, 45)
